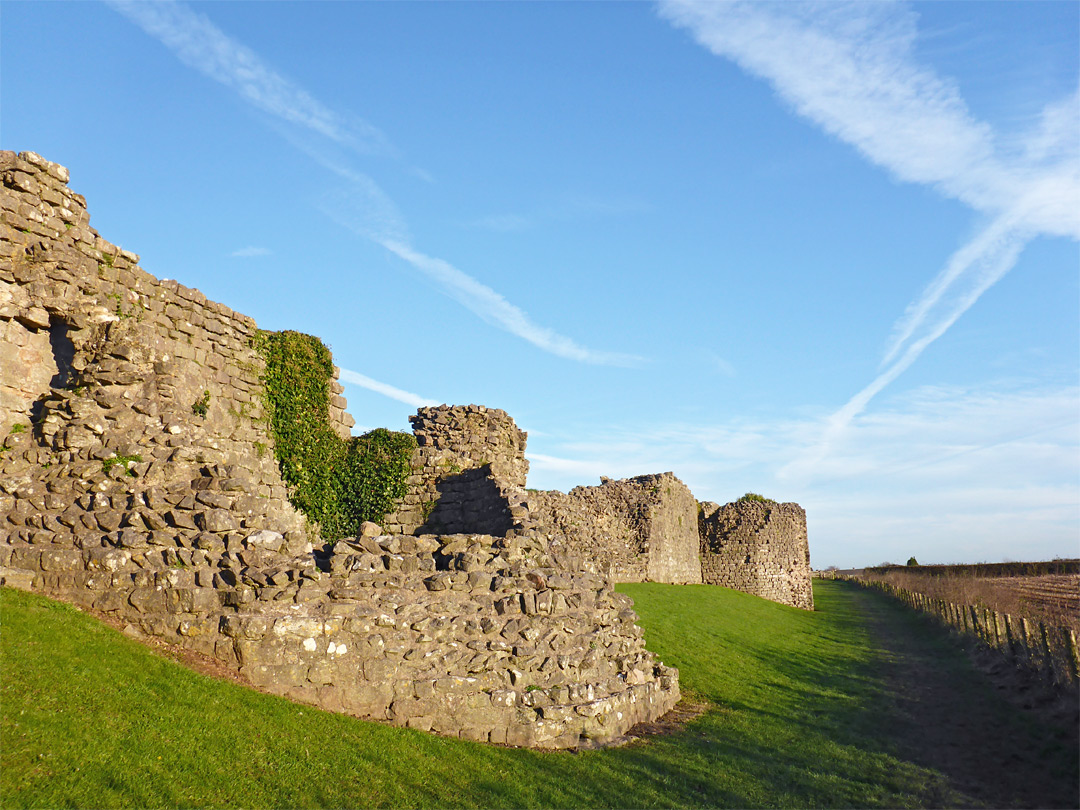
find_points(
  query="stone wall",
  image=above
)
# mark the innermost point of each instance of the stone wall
(757, 547)
(137, 478)
(102, 362)
(469, 471)
(642, 529)
(471, 636)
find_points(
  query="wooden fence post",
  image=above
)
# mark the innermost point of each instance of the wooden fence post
(1025, 629)
(1010, 632)
(1071, 655)
(1051, 649)
(1049, 659)
(1000, 640)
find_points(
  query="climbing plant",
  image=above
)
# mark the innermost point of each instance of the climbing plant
(376, 466)
(338, 483)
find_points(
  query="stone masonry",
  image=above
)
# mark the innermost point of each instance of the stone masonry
(759, 547)
(152, 382)
(638, 529)
(469, 473)
(137, 477)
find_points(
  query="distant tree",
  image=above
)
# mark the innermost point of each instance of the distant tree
(912, 561)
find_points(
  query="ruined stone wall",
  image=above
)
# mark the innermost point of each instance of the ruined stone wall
(642, 529)
(149, 380)
(468, 470)
(757, 547)
(471, 636)
(125, 488)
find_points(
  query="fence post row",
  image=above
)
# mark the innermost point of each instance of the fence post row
(1052, 650)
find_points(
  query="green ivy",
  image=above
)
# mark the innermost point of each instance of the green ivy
(109, 463)
(201, 407)
(376, 468)
(338, 483)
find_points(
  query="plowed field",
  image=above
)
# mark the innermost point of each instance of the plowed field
(1053, 598)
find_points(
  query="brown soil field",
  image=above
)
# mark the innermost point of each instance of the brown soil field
(1053, 599)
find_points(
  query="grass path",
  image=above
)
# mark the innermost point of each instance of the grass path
(806, 710)
(959, 722)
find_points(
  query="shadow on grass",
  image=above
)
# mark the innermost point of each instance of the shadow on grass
(91, 719)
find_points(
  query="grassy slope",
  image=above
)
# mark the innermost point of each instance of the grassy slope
(89, 718)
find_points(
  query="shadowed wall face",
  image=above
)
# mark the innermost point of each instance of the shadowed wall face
(469, 472)
(757, 547)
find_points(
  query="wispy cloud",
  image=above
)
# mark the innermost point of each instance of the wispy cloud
(990, 257)
(251, 252)
(950, 457)
(496, 310)
(366, 209)
(324, 135)
(415, 400)
(1000, 237)
(928, 439)
(373, 217)
(201, 45)
(850, 69)
(363, 208)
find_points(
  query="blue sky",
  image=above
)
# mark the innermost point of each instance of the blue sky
(827, 253)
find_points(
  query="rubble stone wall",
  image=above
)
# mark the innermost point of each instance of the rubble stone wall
(127, 488)
(757, 547)
(642, 529)
(468, 472)
(103, 361)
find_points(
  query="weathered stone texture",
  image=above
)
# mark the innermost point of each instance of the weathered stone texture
(121, 492)
(757, 547)
(109, 362)
(469, 469)
(640, 529)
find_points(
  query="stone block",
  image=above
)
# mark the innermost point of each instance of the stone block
(216, 520)
(61, 559)
(17, 578)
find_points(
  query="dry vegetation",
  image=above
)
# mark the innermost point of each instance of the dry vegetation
(1052, 599)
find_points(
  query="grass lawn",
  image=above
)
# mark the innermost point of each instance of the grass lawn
(799, 716)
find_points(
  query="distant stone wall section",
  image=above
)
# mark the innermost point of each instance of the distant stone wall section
(138, 478)
(757, 547)
(468, 470)
(642, 529)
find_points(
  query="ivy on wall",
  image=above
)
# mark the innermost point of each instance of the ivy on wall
(338, 483)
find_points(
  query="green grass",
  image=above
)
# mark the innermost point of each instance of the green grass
(89, 718)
